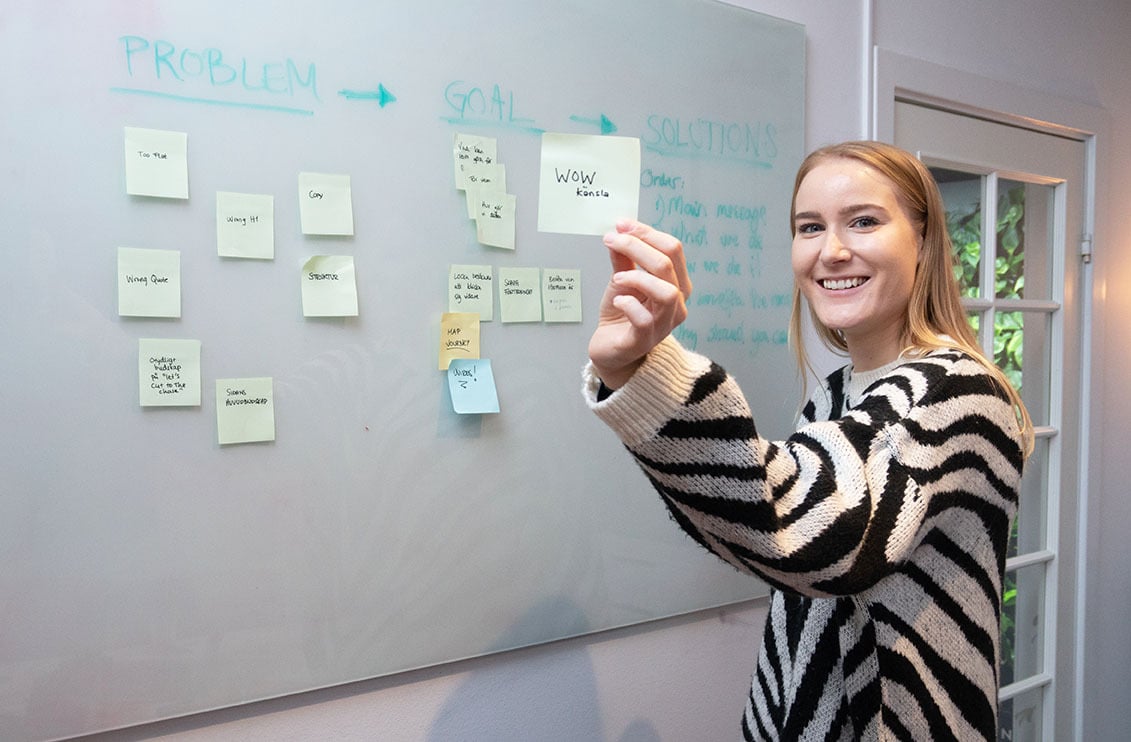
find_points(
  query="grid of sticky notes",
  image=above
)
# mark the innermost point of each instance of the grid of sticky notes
(524, 294)
(150, 281)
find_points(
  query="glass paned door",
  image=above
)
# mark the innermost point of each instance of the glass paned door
(1011, 204)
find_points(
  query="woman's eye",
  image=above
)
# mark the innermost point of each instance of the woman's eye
(865, 221)
(808, 228)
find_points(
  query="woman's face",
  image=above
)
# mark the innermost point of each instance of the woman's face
(855, 252)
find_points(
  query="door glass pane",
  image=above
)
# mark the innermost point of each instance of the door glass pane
(962, 197)
(1025, 217)
(1022, 623)
(1023, 351)
(1031, 523)
(1020, 718)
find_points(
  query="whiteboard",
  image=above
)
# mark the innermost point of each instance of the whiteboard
(150, 572)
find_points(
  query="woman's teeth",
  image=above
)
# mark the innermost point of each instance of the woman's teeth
(842, 283)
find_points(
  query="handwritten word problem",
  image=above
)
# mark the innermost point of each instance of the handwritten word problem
(198, 75)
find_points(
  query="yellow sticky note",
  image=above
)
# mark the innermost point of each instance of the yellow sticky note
(149, 282)
(329, 286)
(520, 295)
(494, 225)
(168, 372)
(490, 178)
(325, 203)
(459, 337)
(587, 183)
(471, 288)
(470, 151)
(245, 225)
(245, 410)
(156, 163)
(561, 295)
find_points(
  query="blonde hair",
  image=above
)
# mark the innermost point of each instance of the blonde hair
(935, 315)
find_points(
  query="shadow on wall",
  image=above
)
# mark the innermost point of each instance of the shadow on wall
(551, 699)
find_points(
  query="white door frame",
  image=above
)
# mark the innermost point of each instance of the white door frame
(896, 75)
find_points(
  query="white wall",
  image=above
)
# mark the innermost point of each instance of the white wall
(685, 678)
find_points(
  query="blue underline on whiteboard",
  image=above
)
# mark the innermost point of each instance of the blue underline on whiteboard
(694, 154)
(214, 102)
(494, 124)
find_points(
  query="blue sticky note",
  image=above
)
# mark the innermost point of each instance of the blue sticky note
(472, 386)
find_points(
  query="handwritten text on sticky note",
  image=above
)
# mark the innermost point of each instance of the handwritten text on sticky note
(520, 294)
(245, 225)
(329, 286)
(245, 410)
(459, 337)
(587, 183)
(168, 372)
(472, 386)
(156, 163)
(561, 295)
(149, 282)
(471, 288)
(325, 203)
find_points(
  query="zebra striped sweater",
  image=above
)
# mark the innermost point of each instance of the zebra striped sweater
(881, 526)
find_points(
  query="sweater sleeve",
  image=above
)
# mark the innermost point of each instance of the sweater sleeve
(841, 503)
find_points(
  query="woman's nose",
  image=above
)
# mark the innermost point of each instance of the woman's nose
(834, 250)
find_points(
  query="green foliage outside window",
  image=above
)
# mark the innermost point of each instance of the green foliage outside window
(1009, 283)
(1009, 270)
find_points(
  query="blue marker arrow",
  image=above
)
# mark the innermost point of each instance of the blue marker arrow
(381, 95)
(607, 127)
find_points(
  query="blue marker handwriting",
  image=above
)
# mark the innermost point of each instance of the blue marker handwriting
(162, 69)
(470, 105)
(749, 143)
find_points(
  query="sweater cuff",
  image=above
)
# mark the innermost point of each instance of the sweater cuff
(653, 395)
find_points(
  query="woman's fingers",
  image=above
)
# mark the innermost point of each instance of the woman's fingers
(654, 251)
(645, 300)
(651, 289)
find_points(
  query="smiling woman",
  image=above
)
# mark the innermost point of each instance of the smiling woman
(855, 253)
(882, 523)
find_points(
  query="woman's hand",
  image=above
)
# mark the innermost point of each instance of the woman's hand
(640, 307)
